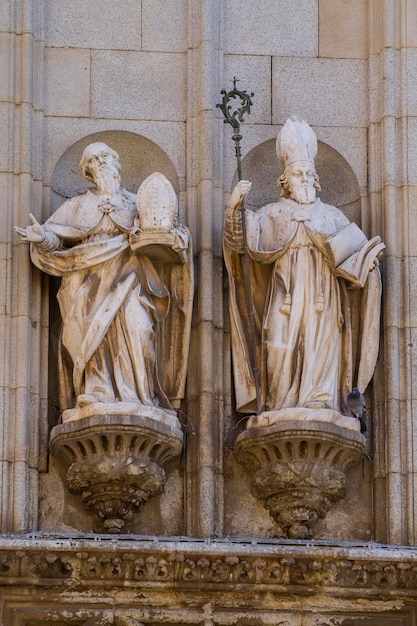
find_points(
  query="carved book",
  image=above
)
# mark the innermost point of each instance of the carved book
(352, 254)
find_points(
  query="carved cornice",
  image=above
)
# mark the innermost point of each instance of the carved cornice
(279, 566)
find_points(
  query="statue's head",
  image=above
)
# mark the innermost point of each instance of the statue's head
(297, 149)
(300, 182)
(99, 160)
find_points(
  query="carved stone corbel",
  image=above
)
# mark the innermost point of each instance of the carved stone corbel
(298, 470)
(115, 463)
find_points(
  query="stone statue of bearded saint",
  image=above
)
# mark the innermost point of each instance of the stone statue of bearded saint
(113, 299)
(315, 290)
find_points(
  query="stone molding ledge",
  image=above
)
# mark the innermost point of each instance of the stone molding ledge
(277, 565)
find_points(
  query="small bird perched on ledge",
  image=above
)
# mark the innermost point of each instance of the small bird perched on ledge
(355, 401)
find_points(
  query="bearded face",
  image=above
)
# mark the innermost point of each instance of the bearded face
(301, 182)
(107, 178)
(100, 164)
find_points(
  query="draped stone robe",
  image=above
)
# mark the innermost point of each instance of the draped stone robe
(109, 301)
(317, 335)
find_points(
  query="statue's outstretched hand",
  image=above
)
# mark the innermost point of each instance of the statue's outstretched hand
(34, 233)
(239, 193)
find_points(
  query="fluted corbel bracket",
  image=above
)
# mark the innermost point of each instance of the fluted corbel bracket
(115, 463)
(298, 470)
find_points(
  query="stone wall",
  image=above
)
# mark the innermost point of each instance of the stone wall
(146, 76)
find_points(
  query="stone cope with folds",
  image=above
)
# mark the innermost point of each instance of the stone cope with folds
(126, 292)
(315, 289)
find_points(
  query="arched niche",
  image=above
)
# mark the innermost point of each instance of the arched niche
(139, 157)
(338, 182)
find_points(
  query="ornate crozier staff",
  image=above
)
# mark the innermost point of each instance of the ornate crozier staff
(234, 118)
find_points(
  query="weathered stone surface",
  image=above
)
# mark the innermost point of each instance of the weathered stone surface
(378, 146)
(304, 268)
(164, 25)
(115, 461)
(297, 469)
(115, 291)
(66, 67)
(250, 566)
(139, 79)
(271, 27)
(84, 24)
(343, 29)
(337, 105)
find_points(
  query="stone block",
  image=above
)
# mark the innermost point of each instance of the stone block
(7, 180)
(412, 261)
(6, 447)
(244, 514)
(254, 74)
(393, 274)
(4, 361)
(351, 144)
(6, 132)
(409, 77)
(6, 82)
(62, 133)
(411, 20)
(280, 27)
(164, 25)
(412, 219)
(343, 29)
(67, 82)
(5, 17)
(5, 261)
(86, 24)
(412, 150)
(394, 410)
(129, 85)
(389, 72)
(374, 90)
(393, 340)
(413, 375)
(326, 92)
(339, 523)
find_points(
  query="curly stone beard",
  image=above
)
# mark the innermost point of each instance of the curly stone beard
(107, 180)
(303, 194)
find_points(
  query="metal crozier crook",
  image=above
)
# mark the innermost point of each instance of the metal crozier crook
(234, 118)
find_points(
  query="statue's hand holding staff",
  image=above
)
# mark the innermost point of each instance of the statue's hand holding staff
(32, 234)
(239, 193)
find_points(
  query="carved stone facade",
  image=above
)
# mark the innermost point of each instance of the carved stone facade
(144, 77)
(212, 582)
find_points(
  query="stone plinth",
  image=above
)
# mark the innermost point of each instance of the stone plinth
(115, 462)
(297, 468)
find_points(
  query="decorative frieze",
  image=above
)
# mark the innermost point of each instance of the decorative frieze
(279, 566)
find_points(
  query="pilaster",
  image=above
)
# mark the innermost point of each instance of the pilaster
(22, 384)
(392, 142)
(205, 379)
